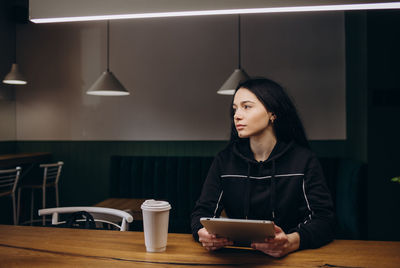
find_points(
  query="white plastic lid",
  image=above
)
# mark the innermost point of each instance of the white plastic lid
(155, 205)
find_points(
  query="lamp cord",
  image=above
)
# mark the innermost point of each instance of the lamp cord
(15, 44)
(108, 45)
(240, 66)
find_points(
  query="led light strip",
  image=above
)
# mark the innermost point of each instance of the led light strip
(389, 5)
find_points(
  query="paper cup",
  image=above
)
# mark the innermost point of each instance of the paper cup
(155, 224)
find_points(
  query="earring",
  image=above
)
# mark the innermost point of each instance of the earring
(272, 119)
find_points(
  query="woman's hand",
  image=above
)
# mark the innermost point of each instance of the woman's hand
(211, 242)
(279, 246)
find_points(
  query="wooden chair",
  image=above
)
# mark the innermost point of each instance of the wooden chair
(51, 177)
(8, 185)
(114, 217)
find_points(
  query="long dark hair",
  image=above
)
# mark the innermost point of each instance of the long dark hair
(287, 125)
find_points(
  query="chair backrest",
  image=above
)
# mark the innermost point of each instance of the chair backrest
(8, 181)
(106, 215)
(51, 172)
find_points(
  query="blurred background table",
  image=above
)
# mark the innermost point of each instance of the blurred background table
(23, 159)
(130, 205)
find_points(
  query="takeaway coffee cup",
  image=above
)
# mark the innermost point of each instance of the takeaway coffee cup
(155, 224)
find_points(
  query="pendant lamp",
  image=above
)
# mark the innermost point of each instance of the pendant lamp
(238, 76)
(107, 84)
(14, 77)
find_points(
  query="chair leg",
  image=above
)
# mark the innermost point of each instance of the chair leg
(57, 197)
(44, 204)
(18, 203)
(14, 209)
(32, 201)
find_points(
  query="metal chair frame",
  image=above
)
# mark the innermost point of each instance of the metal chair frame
(100, 214)
(51, 177)
(8, 184)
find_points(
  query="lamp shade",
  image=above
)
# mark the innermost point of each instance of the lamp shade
(107, 85)
(228, 88)
(14, 77)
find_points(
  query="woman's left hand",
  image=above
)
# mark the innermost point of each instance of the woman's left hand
(279, 246)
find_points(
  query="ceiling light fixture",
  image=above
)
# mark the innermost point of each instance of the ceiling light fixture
(208, 11)
(107, 84)
(14, 77)
(238, 76)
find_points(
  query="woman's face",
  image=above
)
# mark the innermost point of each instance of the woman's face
(250, 115)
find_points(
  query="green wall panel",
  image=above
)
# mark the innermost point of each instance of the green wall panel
(85, 178)
(86, 174)
(7, 147)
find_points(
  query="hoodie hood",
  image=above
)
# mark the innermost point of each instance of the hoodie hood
(242, 149)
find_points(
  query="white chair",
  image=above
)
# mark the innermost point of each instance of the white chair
(51, 176)
(103, 215)
(8, 184)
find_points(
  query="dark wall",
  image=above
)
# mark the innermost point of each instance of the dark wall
(7, 51)
(373, 108)
(7, 45)
(7, 30)
(383, 38)
(8, 147)
(356, 85)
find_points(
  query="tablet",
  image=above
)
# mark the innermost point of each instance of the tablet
(239, 230)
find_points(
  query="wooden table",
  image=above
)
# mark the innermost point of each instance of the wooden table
(130, 205)
(22, 246)
(27, 161)
(20, 159)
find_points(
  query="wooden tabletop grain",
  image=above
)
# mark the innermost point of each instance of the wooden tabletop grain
(26, 246)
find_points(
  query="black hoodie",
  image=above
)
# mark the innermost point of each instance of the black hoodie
(288, 188)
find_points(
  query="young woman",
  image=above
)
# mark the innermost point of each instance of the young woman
(267, 172)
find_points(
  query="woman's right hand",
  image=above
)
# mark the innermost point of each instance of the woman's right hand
(211, 242)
